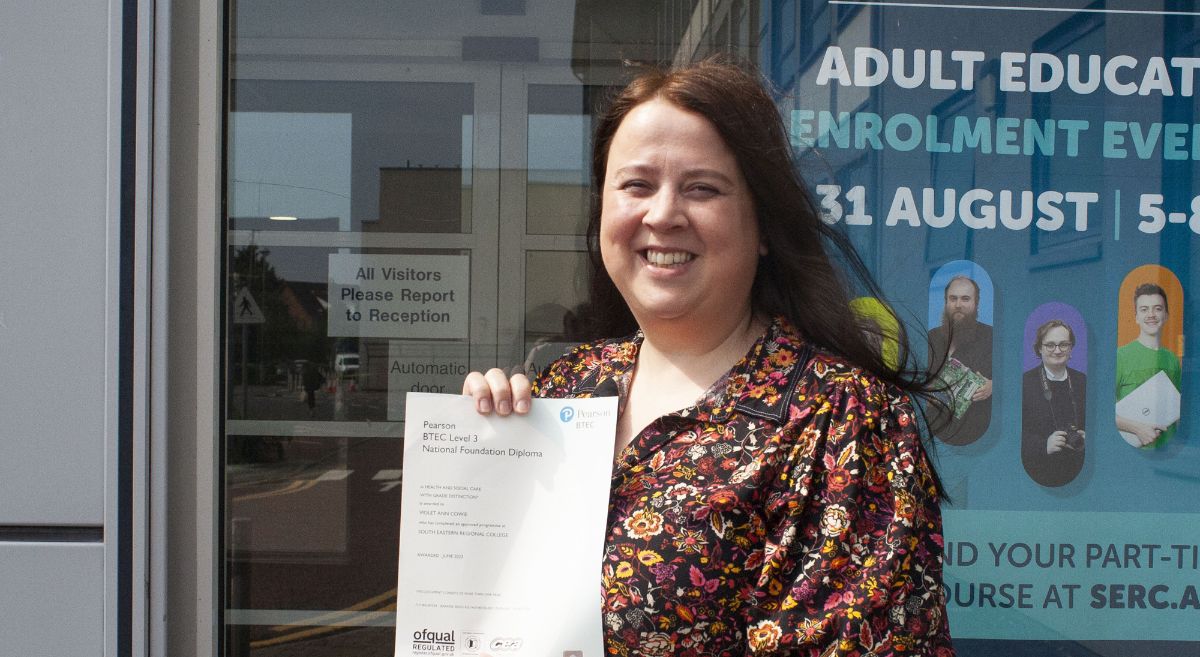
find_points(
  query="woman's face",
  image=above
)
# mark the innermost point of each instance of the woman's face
(1056, 347)
(678, 233)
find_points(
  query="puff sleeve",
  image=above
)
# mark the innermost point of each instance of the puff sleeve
(852, 564)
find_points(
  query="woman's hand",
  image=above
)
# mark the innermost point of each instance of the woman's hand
(495, 390)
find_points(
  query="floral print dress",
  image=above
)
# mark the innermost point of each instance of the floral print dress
(789, 511)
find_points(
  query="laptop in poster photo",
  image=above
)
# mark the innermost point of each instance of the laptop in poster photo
(1155, 402)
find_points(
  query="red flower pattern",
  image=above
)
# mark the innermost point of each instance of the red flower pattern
(790, 509)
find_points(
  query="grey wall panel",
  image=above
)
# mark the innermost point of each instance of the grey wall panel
(53, 600)
(54, 260)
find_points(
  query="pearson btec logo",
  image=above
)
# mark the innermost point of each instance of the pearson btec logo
(566, 414)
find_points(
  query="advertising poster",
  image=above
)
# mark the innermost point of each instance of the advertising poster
(1027, 174)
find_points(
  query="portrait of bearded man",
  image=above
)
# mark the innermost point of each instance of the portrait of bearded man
(962, 337)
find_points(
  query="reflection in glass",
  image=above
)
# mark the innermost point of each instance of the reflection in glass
(1078, 34)
(560, 129)
(288, 368)
(275, 364)
(290, 164)
(269, 351)
(552, 305)
(312, 524)
(339, 636)
(337, 157)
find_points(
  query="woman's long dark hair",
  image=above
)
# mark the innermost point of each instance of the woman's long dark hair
(797, 279)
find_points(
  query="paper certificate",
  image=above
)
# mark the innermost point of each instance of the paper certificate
(502, 528)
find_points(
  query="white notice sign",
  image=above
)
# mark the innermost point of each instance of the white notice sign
(420, 366)
(502, 528)
(399, 296)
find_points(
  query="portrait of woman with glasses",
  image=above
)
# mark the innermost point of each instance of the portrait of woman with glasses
(1053, 408)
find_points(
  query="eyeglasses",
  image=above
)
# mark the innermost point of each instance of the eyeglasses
(1058, 346)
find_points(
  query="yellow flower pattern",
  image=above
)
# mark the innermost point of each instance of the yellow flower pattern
(790, 511)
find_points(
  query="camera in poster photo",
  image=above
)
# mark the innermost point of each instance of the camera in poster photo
(1148, 373)
(1053, 407)
(961, 346)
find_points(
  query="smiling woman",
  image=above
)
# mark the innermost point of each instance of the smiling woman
(680, 241)
(770, 492)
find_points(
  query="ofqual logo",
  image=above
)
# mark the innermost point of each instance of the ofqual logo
(431, 642)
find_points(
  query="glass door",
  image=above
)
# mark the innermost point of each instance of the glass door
(406, 200)
(544, 205)
(361, 264)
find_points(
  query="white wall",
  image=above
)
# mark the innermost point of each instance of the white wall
(59, 141)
